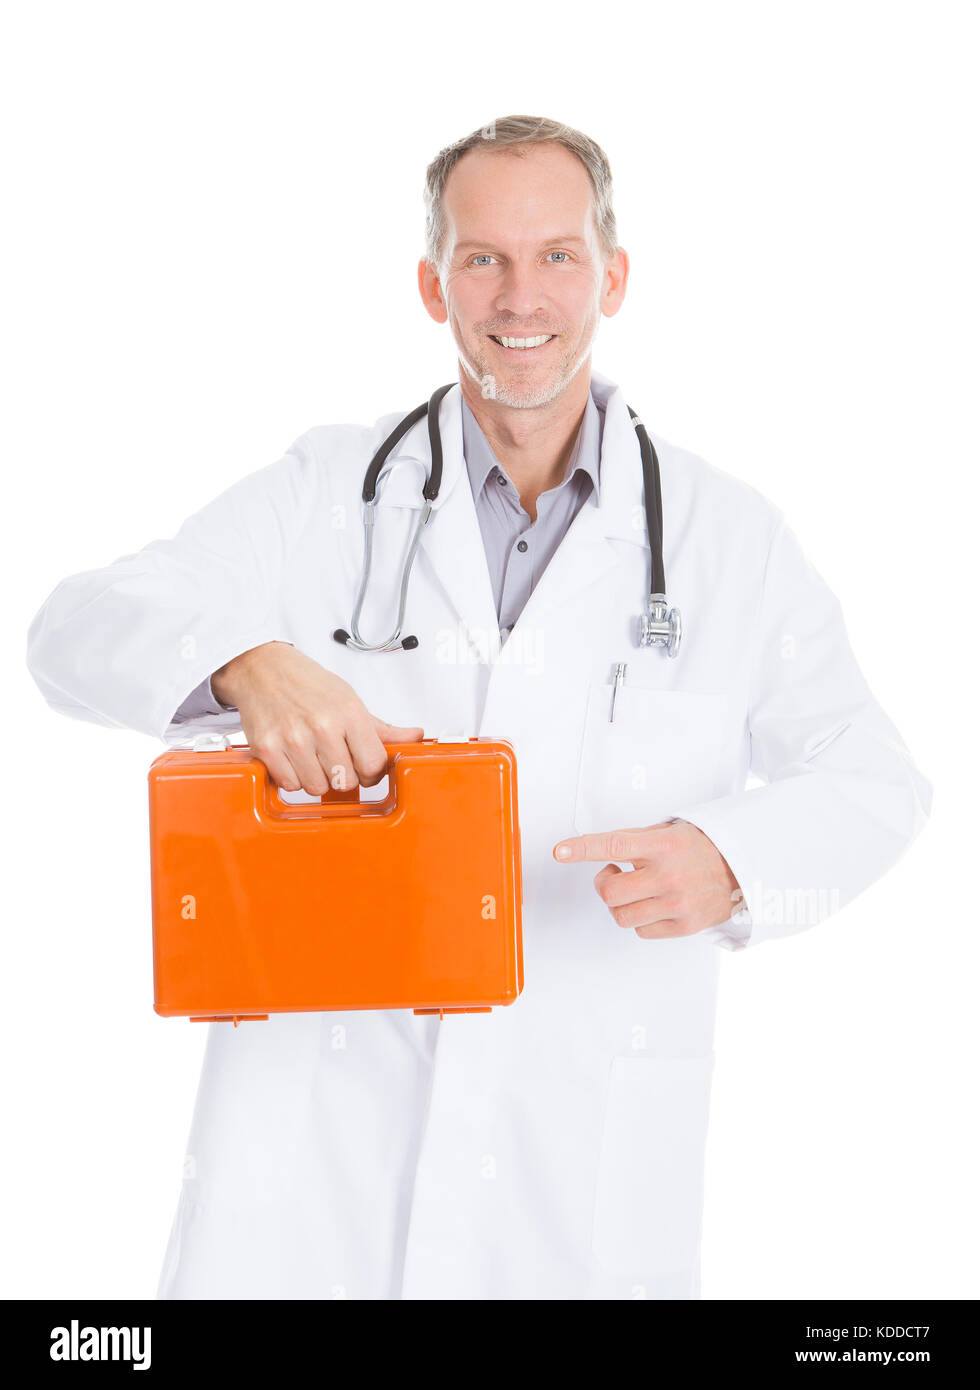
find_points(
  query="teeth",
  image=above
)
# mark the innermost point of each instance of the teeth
(526, 342)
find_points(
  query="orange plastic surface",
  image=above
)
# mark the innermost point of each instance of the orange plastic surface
(261, 907)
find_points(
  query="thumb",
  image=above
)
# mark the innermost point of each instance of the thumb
(398, 733)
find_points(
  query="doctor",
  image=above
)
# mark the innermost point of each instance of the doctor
(552, 1149)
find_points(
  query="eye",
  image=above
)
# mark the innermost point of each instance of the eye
(484, 257)
(558, 253)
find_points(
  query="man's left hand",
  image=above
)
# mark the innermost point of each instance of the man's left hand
(680, 883)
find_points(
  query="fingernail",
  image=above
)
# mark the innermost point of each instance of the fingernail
(563, 852)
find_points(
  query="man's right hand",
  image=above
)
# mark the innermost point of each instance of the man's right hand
(307, 725)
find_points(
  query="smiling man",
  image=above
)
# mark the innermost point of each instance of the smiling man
(552, 1149)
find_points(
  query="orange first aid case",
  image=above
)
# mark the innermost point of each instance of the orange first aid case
(411, 901)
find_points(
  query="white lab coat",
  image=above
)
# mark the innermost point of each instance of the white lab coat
(554, 1148)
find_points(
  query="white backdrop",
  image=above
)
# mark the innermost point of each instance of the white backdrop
(213, 221)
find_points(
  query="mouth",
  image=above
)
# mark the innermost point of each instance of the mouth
(528, 346)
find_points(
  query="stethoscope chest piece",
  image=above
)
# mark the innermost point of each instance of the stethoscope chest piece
(660, 626)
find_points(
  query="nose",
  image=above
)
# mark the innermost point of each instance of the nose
(520, 292)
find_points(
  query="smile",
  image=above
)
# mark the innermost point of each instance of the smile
(523, 344)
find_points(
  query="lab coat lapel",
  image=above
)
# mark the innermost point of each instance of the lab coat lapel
(451, 545)
(585, 554)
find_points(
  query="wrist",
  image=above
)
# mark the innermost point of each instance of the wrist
(226, 681)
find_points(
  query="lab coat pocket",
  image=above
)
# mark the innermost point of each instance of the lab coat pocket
(664, 749)
(649, 1191)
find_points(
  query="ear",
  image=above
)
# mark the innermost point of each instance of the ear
(615, 276)
(431, 291)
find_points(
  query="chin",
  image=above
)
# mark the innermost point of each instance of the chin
(528, 397)
(515, 392)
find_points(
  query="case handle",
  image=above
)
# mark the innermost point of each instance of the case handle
(334, 802)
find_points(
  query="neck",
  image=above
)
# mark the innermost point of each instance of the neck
(533, 446)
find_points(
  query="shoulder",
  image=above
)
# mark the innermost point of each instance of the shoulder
(335, 457)
(328, 445)
(714, 494)
(733, 517)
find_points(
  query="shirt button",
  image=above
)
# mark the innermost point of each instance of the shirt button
(522, 546)
(501, 480)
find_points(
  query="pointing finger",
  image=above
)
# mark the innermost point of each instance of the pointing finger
(622, 845)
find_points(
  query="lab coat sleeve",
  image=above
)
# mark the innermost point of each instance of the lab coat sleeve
(842, 798)
(131, 644)
(201, 701)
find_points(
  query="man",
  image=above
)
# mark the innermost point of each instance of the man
(552, 1149)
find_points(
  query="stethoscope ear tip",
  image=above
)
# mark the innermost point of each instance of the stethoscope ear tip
(344, 638)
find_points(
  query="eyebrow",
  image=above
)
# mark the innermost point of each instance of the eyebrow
(549, 240)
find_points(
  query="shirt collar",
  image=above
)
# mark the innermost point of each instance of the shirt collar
(481, 460)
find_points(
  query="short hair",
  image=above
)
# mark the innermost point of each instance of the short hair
(509, 134)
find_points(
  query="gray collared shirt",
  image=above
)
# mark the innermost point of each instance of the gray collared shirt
(518, 549)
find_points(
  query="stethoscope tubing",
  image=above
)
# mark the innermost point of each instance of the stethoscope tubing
(652, 499)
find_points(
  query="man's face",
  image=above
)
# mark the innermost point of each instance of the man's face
(521, 260)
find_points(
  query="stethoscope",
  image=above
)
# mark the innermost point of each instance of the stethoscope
(657, 627)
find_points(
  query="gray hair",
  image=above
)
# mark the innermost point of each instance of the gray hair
(507, 133)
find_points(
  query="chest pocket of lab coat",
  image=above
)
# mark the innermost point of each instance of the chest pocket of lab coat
(649, 1191)
(664, 749)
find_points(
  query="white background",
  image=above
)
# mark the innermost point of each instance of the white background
(213, 219)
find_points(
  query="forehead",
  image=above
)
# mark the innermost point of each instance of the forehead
(526, 186)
